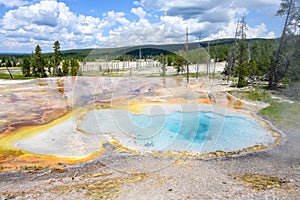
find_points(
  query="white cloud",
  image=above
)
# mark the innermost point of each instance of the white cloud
(117, 17)
(209, 17)
(136, 3)
(139, 12)
(49, 20)
(259, 31)
(44, 22)
(159, 5)
(13, 3)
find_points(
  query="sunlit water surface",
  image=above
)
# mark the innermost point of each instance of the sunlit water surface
(200, 132)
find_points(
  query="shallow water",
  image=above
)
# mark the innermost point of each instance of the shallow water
(199, 132)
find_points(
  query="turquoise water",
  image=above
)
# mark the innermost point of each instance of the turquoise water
(186, 126)
(200, 132)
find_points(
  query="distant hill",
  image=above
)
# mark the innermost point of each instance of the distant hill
(134, 51)
(147, 50)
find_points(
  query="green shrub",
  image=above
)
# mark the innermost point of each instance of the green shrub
(242, 83)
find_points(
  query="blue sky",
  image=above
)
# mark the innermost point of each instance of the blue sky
(114, 23)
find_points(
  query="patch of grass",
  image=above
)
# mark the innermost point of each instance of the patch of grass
(283, 113)
(272, 111)
(262, 182)
(108, 188)
(32, 168)
(256, 94)
(15, 77)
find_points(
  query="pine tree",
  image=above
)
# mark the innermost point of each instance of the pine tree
(65, 67)
(169, 60)
(74, 67)
(8, 63)
(242, 55)
(57, 58)
(179, 63)
(3, 61)
(294, 70)
(281, 57)
(26, 67)
(253, 69)
(38, 63)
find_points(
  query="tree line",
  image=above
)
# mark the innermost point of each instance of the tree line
(276, 61)
(278, 64)
(10, 62)
(285, 62)
(256, 52)
(41, 65)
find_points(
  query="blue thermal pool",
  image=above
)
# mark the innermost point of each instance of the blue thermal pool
(181, 131)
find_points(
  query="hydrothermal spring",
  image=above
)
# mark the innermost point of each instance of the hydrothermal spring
(181, 131)
(143, 115)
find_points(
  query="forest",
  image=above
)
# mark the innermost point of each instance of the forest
(258, 57)
(40, 65)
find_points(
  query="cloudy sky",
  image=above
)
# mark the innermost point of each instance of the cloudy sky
(114, 23)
